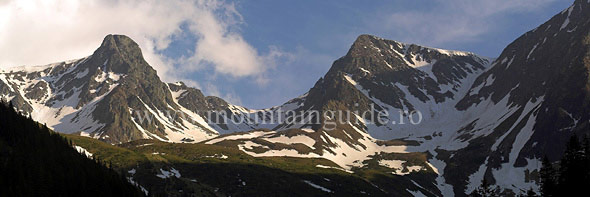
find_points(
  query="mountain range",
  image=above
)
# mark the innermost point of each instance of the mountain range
(455, 117)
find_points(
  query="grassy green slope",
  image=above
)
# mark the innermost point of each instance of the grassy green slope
(212, 170)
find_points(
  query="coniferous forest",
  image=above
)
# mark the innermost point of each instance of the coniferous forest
(571, 175)
(35, 161)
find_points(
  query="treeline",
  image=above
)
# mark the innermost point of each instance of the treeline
(571, 175)
(35, 161)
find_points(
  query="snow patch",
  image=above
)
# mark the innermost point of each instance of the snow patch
(82, 74)
(532, 50)
(332, 167)
(567, 20)
(395, 164)
(218, 156)
(365, 70)
(83, 151)
(350, 80)
(317, 186)
(164, 174)
(298, 139)
(145, 191)
(249, 135)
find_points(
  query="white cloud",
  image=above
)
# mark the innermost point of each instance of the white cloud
(455, 20)
(38, 32)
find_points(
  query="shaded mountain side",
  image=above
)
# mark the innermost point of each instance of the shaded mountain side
(542, 79)
(35, 161)
(550, 62)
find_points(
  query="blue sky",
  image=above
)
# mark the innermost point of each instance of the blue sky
(257, 53)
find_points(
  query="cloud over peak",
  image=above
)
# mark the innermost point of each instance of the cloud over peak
(37, 32)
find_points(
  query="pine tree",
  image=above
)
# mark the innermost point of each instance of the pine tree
(586, 160)
(35, 161)
(571, 176)
(548, 174)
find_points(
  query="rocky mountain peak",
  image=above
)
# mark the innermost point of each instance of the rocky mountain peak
(366, 44)
(386, 68)
(119, 54)
(118, 44)
(116, 41)
(376, 55)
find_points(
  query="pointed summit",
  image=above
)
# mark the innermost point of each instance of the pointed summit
(117, 39)
(119, 54)
(366, 44)
(364, 40)
(119, 43)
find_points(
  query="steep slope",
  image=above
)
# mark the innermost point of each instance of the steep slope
(35, 161)
(540, 86)
(550, 62)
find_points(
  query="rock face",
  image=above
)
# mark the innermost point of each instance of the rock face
(454, 116)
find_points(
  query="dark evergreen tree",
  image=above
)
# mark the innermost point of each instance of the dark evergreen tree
(548, 178)
(571, 170)
(586, 162)
(35, 161)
